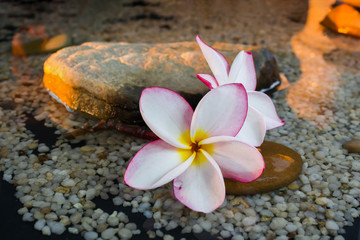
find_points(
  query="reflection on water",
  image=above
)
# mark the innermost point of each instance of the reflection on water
(312, 96)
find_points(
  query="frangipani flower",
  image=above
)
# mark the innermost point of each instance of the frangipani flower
(262, 114)
(196, 149)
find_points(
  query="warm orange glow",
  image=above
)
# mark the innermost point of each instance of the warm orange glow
(314, 93)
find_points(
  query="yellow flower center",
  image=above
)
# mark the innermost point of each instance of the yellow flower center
(194, 146)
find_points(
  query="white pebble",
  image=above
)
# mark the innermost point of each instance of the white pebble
(46, 231)
(248, 221)
(91, 235)
(28, 217)
(108, 233)
(125, 233)
(113, 221)
(168, 237)
(331, 225)
(90, 193)
(68, 182)
(197, 228)
(56, 227)
(73, 230)
(237, 237)
(278, 223)
(43, 148)
(39, 224)
(225, 234)
(206, 225)
(59, 198)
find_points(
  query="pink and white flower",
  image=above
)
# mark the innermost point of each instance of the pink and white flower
(262, 114)
(196, 149)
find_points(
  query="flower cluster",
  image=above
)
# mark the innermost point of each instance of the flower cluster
(198, 149)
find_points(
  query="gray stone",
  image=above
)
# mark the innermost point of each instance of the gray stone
(105, 80)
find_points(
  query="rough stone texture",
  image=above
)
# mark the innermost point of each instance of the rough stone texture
(282, 166)
(105, 80)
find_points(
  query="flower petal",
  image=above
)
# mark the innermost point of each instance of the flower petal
(221, 111)
(253, 131)
(237, 160)
(264, 105)
(243, 71)
(156, 164)
(216, 61)
(209, 80)
(201, 187)
(167, 114)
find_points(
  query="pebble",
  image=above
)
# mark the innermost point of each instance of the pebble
(39, 224)
(90, 235)
(43, 148)
(168, 237)
(59, 198)
(73, 230)
(108, 233)
(283, 166)
(332, 225)
(56, 227)
(353, 146)
(68, 182)
(46, 231)
(125, 233)
(278, 223)
(113, 221)
(28, 217)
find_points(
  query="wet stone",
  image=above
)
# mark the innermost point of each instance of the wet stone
(105, 80)
(282, 166)
(343, 19)
(353, 146)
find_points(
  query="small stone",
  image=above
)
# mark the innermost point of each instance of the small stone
(168, 237)
(46, 231)
(353, 146)
(59, 198)
(248, 221)
(75, 218)
(113, 221)
(90, 193)
(125, 233)
(197, 228)
(278, 223)
(68, 182)
(22, 210)
(43, 148)
(331, 225)
(39, 224)
(28, 217)
(283, 166)
(56, 227)
(73, 230)
(91, 235)
(108, 233)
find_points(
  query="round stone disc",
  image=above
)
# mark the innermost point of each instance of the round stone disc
(282, 166)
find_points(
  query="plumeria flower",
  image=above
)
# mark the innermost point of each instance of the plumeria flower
(262, 114)
(196, 149)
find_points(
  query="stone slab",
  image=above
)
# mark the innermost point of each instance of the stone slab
(105, 80)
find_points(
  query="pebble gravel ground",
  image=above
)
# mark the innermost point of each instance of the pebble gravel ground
(58, 182)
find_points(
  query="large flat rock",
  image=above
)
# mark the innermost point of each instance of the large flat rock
(105, 80)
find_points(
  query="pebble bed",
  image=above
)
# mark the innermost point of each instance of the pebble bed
(58, 184)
